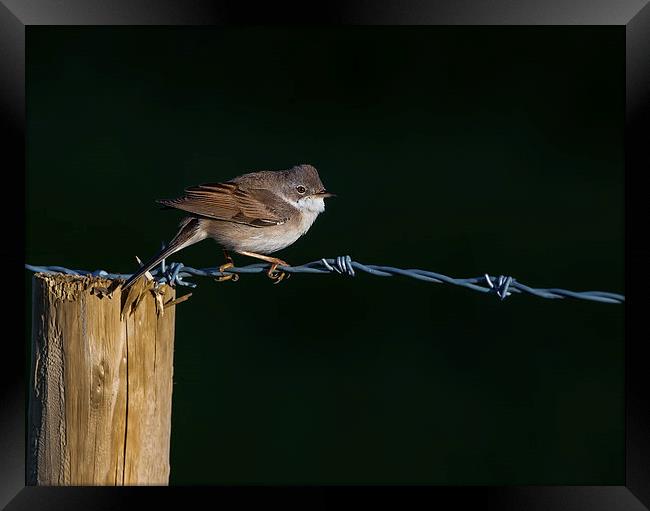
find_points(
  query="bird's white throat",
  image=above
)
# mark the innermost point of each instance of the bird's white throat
(311, 204)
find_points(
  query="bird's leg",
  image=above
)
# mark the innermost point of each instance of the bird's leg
(273, 272)
(230, 276)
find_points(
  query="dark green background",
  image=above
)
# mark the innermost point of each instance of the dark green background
(460, 150)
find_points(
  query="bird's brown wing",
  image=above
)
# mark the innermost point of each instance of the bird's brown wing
(227, 201)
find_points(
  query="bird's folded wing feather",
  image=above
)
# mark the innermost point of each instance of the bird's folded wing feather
(227, 201)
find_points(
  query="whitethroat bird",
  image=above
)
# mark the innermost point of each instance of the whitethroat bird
(254, 215)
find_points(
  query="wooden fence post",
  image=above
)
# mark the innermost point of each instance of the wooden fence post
(101, 382)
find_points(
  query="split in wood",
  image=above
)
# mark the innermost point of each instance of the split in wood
(178, 300)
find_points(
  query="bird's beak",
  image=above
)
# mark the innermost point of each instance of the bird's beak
(323, 194)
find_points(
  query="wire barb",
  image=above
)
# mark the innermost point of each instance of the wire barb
(503, 286)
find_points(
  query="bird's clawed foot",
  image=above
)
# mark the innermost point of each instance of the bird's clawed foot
(273, 273)
(230, 276)
(276, 275)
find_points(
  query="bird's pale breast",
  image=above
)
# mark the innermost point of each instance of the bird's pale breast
(262, 240)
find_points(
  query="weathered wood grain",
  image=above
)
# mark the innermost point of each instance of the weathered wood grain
(101, 383)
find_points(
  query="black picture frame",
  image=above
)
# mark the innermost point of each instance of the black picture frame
(15, 18)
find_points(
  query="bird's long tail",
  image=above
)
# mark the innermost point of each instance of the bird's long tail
(188, 234)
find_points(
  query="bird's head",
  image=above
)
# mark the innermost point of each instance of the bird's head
(305, 190)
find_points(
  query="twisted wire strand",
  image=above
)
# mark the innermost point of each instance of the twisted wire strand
(502, 286)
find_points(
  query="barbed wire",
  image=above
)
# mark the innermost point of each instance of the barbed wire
(502, 286)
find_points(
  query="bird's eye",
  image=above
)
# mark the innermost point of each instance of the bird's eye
(301, 189)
